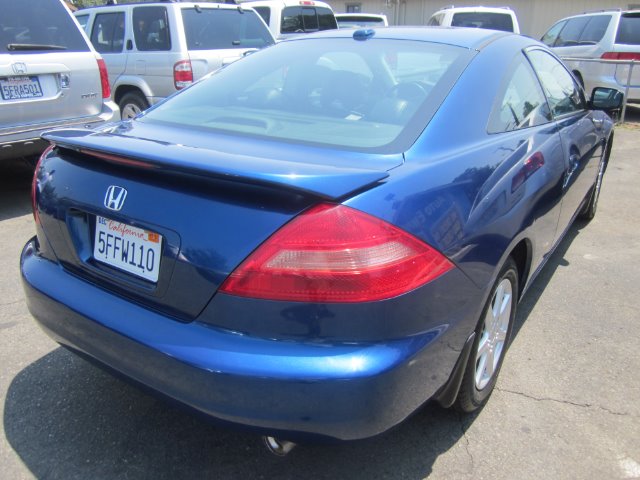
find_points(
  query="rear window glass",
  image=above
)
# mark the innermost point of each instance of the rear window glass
(365, 96)
(492, 21)
(629, 29)
(307, 19)
(37, 26)
(210, 29)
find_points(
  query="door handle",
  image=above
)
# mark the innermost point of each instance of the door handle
(597, 123)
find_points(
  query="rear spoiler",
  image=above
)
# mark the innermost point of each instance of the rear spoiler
(326, 181)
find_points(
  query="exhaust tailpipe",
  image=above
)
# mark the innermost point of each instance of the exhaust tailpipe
(278, 447)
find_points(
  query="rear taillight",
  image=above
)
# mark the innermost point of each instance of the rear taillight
(333, 253)
(104, 78)
(621, 56)
(34, 185)
(182, 74)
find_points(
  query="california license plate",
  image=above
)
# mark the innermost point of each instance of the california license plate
(15, 88)
(134, 250)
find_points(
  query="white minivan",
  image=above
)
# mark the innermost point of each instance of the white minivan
(154, 49)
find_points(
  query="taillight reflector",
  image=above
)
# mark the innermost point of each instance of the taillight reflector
(333, 253)
(104, 79)
(621, 56)
(182, 74)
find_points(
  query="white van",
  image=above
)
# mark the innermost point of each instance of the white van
(493, 18)
(294, 17)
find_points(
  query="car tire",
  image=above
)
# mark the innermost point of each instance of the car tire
(492, 337)
(589, 210)
(131, 104)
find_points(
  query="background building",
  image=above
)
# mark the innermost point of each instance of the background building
(535, 17)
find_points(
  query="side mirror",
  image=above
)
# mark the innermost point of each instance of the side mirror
(606, 99)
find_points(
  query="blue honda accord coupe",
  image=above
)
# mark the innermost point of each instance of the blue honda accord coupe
(321, 237)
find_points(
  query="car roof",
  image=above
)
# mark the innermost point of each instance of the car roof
(360, 15)
(478, 8)
(472, 38)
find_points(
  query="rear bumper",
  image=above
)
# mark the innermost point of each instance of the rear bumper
(23, 140)
(284, 388)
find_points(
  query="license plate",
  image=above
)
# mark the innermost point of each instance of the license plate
(134, 250)
(15, 88)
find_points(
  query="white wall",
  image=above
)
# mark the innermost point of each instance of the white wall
(534, 16)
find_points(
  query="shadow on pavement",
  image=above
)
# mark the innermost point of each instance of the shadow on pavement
(15, 188)
(67, 419)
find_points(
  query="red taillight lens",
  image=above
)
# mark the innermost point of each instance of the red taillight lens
(104, 78)
(182, 74)
(34, 185)
(333, 253)
(621, 56)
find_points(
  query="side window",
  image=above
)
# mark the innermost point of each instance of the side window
(264, 12)
(551, 36)
(82, 20)
(521, 103)
(436, 20)
(107, 34)
(151, 29)
(570, 35)
(595, 29)
(562, 92)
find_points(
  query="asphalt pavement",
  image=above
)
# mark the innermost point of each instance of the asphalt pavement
(566, 406)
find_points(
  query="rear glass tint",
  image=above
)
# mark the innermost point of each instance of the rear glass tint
(307, 19)
(492, 21)
(629, 29)
(210, 29)
(366, 96)
(37, 26)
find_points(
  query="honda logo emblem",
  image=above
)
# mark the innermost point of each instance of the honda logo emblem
(114, 199)
(19, 68)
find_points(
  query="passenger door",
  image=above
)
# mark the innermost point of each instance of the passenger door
(580, 132)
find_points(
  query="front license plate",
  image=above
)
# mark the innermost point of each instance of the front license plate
(16, 88)
(128, 248)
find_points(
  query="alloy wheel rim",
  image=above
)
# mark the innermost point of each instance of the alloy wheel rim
(130, 110)
(494, 334)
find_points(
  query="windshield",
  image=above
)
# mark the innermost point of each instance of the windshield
(376, 95)
(38, 26)
(210, 29)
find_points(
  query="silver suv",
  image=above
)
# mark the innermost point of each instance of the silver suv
(154, 49)
(50, 76)
(611, 35)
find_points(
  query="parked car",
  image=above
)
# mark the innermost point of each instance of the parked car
(355, 20)
(314, 241)
(287, 18)
(608, 35)
(494, 18)
(153, 50)
(50, 76)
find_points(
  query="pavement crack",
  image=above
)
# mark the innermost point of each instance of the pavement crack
(466, 443)
(565, 402)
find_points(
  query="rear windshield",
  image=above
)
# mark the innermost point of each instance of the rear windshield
(37, 26)
(209, 29)
(629, 29)
(307, 19)
(372, 96)
(492, 21)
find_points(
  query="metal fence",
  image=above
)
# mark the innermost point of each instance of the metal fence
(626, 86)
